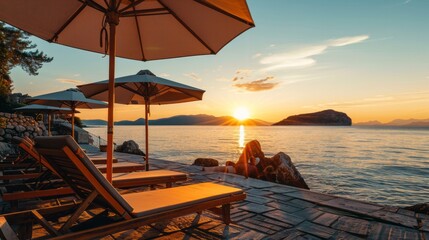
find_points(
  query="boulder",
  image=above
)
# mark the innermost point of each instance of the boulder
(285, 171)
(130, 147)
(249, 159)
(206, 162)
(279, 168)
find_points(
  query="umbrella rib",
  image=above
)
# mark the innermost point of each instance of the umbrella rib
(68, 22)
(132, 5)
(131, 90)
(95, 5)
(188, 28)
(225, 12)
(145, 12)
(140, 36)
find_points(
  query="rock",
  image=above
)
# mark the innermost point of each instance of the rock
(419, 208)
(249, 159)
(130, 147)
(10, 126)
(206, 162)
(280, 169)
(285, 171)
(323, 118)
(20, 128)
(10, 131)
(2, 132)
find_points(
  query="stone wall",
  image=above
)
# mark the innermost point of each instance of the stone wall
(18, 125)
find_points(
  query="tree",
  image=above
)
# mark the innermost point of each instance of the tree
(17, 50)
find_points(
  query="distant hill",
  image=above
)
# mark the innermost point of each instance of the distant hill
(324, 118)
(94, 122)
(369, 123)
(398, 123)
(200, 119)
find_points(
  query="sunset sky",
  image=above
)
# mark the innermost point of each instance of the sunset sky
(367, 58)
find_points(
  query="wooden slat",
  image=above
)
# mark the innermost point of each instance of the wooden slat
(20, 176)
(36, 194)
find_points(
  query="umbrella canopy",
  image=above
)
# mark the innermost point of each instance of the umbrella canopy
(145, 29)
(135, 29)
(36, 108)
(70, 98)
(144, 88)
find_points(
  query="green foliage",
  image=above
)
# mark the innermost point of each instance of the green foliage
(6, 106)
(17, 50)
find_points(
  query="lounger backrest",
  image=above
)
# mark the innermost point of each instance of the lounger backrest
(74, 166)
(27, 145)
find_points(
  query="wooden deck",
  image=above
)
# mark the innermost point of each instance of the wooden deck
(274, 211)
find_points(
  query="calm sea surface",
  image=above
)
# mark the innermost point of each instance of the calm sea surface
(382, 165)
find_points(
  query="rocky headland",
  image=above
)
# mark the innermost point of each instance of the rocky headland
(324, 118)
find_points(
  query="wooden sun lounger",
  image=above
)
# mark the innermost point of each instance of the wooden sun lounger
(124, 179)
(134, 209)
(26, 144)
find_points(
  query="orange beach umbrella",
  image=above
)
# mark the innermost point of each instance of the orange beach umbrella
(135, 29)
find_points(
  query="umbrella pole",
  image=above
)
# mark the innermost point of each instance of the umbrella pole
(146, 120)
(72, 123)
(49, 124)
(113, 20)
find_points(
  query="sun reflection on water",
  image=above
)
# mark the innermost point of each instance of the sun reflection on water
(241, 138)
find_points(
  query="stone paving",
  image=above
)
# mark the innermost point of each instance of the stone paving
(274, 211)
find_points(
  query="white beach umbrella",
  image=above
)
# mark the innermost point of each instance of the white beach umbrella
(37, 108)
(134, 29)
(70, 98)
(144, 88)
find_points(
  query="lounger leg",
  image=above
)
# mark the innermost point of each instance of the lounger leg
(226, 213)
(6, 231)
(169, 185)
(79, 211)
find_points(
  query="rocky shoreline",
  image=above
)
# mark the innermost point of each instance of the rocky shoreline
(278, 169)
(254, 164)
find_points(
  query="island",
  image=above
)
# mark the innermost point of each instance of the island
(323, 118)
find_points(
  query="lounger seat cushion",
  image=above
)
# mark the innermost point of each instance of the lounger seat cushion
(120, 165)
(155, 174)
(152, 202)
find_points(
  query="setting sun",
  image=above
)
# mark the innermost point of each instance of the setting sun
(241, 113)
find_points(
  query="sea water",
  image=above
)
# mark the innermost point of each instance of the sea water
(378, 164)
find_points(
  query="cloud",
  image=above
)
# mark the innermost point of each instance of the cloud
(258, 85)
(76, 75)
(407, 1)
(257, 55)
(193, 76)
(70, 81)
(304, 57)
(242, 74)
(164, 75)
(339, 42)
